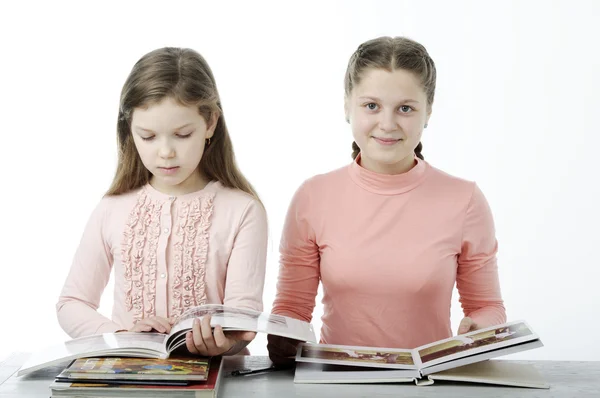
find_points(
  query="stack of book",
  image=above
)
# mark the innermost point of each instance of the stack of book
(118, 377)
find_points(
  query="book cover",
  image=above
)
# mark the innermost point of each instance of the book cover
(117, 368)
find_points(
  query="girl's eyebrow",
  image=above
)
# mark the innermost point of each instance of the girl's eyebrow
(150, 131)
(377, 99)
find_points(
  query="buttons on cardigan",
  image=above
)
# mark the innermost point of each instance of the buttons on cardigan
(166, 230)
(163, 275)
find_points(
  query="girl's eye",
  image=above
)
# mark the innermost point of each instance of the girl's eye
(371, 106)
(183, 135)
(405, 109)
(147, 138)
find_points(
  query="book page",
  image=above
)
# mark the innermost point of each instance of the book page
(230, 318)
(495, 372)
(320, 373)
(123, 344)
(483, 356)
(376, 357)
(475, 342)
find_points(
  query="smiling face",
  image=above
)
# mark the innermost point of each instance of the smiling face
(170, 140)
(387, 112)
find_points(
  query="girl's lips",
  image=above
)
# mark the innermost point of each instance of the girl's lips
(169, 170)
(387, 141)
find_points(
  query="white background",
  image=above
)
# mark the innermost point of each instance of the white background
(516, 106)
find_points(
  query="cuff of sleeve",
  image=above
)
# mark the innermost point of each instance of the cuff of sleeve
(109, 327)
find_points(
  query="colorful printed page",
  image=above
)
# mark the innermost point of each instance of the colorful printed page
(474, 343)
(111, 368)
(391, 358)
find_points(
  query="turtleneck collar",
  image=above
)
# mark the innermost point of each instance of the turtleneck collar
(388, 184)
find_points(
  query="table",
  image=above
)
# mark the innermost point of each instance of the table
(567, 379)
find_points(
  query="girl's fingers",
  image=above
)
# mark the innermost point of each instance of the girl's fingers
(207, 334)
(142, 327)
(189, 343)
(221, 341)
(164, 323)
(466, 325)
(198, 340)
(156, 325)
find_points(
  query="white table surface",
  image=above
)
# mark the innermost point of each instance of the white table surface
(567, 379)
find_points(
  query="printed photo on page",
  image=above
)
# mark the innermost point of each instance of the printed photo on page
(356, 356)
(475, 342)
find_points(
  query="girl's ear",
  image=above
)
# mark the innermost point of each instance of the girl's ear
(428, 116)
(212, 125)
(346, 110)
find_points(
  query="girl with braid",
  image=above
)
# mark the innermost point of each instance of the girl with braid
(388, 235)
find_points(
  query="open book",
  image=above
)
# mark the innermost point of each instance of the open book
(159, 345)
(441, 360)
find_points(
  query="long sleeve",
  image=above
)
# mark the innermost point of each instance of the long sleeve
(299, 269)
(90, 271)
(477, 275)
(247, 263)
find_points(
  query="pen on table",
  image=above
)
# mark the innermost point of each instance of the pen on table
(244, 372)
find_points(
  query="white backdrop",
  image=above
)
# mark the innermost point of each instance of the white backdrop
(516, 107)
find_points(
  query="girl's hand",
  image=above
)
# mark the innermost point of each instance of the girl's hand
(467, 325)
(203, 341)
(152, 324)
(282, 350)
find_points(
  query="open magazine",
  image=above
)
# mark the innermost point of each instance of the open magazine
(159, 345)
(442, 360)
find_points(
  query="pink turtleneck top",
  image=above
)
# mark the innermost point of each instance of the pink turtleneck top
(388, 250)
(168, 253)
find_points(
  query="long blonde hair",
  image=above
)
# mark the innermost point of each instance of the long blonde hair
(184, 75)
(390, 53)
